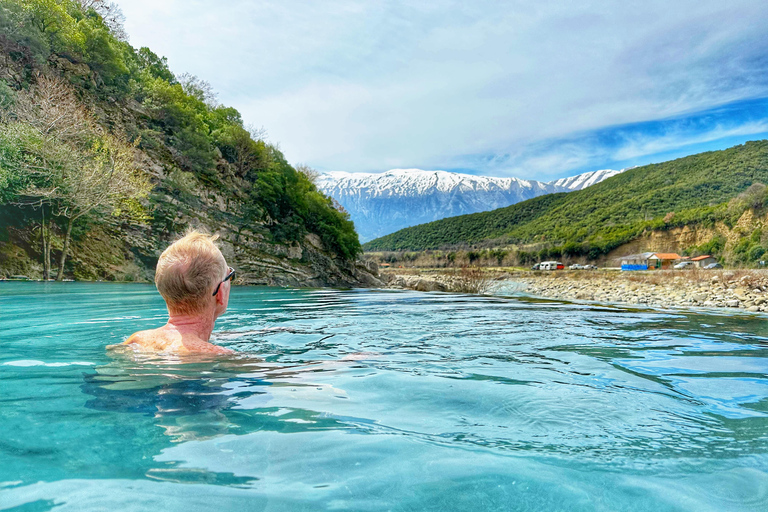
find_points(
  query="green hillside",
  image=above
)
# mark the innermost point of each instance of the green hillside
(101, 141)
(593, 221)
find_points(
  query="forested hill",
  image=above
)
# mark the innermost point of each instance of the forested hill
(106, 155)
(593, 221)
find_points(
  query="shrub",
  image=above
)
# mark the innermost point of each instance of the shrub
(471, 280)
(756, 252)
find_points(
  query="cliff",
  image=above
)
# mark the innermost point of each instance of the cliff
(106, 156)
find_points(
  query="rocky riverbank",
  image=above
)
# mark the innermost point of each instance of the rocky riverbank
(444, 280)
(747, 290)
(727, 289)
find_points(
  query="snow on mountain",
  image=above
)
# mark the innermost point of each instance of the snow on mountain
(383, 203)
(584, 180)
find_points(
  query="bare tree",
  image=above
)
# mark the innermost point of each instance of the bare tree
(52, 111)
(311, 174)
(112, 15)
(257, 134)
(46, 123)
(72, 165)
(199, 88)
(338, 206)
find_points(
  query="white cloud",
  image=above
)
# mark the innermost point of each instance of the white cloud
(366, 86)
(553, 159)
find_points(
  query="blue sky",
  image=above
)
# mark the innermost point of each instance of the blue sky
(536, 90)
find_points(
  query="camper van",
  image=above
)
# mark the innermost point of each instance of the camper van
(551, 265)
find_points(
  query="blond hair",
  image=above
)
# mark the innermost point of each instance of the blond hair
(188, 271)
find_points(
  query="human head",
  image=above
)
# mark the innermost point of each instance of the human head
(188, 271)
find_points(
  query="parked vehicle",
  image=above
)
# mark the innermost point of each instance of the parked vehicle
(576, 266)
(684, 264)
(589, 267)
(551, 265)
(713, 265)
(536, 266)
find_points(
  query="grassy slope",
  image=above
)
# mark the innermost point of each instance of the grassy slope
(605, 215)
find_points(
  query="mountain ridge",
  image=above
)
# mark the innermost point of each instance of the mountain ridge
(707, 189)
(382, 203)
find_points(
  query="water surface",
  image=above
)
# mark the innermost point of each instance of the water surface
(380, 400)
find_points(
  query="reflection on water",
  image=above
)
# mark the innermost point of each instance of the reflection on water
(384, 400)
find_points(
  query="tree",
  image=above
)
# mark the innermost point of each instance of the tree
(112, 15)
(199, 88)
(72, 166)
(240, 149)
(157, 67)
(54, 20)
(311, 174)
(46, 128)
(109, 182)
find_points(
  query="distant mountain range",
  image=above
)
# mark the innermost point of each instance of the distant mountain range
(709, 203)
(383, 203)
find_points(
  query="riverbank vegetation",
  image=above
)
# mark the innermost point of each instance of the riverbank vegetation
(100, 138)
(700, 190)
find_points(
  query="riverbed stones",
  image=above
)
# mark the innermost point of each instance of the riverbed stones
(658, 288)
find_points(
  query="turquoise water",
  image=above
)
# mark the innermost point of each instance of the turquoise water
(380, 400)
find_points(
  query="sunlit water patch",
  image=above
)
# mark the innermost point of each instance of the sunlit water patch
(380, 400)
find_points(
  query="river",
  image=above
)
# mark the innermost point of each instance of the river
(380, 400)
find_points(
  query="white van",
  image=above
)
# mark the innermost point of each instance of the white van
(551, 265)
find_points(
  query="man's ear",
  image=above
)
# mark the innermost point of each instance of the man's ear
(220, 296)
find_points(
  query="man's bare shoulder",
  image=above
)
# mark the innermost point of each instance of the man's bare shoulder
(149, 339)
(163, 340)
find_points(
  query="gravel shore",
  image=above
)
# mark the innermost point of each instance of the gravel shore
(740, 289)
(729, 289)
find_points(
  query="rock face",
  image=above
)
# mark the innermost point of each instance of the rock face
(132, 256)
(131, 253)
(298, 265)
(383, 203)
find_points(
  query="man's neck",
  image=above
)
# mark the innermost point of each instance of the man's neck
(200, 325)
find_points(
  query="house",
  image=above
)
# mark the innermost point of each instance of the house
(649, 260)
(635, 261)
(663, 260)
(703, 261)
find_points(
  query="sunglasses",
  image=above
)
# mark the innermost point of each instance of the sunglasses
(230, 276)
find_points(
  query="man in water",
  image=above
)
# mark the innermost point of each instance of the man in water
(194, 279)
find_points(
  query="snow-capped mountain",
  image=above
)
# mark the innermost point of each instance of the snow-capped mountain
(581, 181)
(383, 203)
